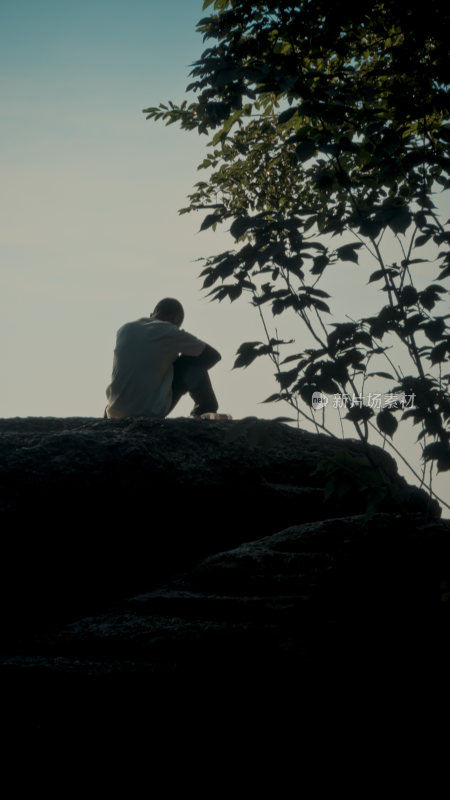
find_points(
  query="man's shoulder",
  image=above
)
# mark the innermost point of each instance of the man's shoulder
(127, 329)
(145, 324)
(133, 324)
(159, 332)
(161, 327)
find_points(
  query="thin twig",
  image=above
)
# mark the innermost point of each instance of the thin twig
(291, 401)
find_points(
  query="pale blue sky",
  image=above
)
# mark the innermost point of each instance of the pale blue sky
(90, 232)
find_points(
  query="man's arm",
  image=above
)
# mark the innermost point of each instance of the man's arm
(207, 358)
(196, 351)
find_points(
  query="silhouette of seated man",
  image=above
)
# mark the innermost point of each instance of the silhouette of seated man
(155, 363)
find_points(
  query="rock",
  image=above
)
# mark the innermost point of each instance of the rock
(160, 559)
(98, 509)
(338, 605)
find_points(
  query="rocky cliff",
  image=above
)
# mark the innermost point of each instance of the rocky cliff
(157, 558)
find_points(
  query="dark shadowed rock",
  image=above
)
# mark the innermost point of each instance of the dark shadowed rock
(95, 509)
(155, 559)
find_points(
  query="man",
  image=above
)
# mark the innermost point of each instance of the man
(149, 374)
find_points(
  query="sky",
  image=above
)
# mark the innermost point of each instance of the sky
(90, 233)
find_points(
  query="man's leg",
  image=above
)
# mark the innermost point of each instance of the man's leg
(194, 379)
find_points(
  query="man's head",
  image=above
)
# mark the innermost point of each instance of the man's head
(169, 310)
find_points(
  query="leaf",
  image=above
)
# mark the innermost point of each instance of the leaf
(286, 379)
(437, 288)
(305, 150)
(233, 292)
(412, 324)
(278, 306)
(310, 222)
(375, 276)
(381, 375)
(408, 296)
(243, 348)
(358, 414)
(306, 391)
(445, 273)
(430, 296)
(209, 280)
(324, 180)
(285, 116)
(326, 385)
(379, 327)
(406, 263)
(439, 451)
(244, 360)
(387, 422)
(415, 413)
(274, 398)
(347, 252)
(310, 290)
(336, 370)
(209, 220)
(295, 357)
(220, 292)
(400, 220)
(248, 353)
(371, 228)
(240, 226)
(226, 267)
(320, 262)
(362, 337)
(343, 334)
(274, 342)
(435, 329)
(270, 251)
(315, 246)
(437, 354)
(318, 304)
(421, 240)
(292, 224)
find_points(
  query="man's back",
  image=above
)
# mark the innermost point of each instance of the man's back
(142, 375)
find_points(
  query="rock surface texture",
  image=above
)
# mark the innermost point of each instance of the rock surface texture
(148, 560)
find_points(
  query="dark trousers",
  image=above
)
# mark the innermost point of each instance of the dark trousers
(190, 376)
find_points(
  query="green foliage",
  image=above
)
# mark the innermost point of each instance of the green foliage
(355, 476)
(330, 119)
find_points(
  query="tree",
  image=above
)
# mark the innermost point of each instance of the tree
(331, 120)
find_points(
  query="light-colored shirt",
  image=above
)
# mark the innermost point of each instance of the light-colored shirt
(141, 383)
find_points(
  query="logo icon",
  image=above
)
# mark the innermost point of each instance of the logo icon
(319, 400)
